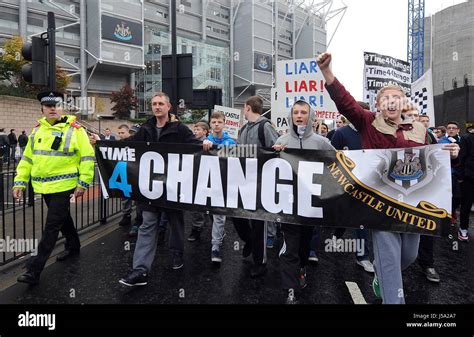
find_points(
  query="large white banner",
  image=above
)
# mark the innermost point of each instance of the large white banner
(422, 95)
(300, 80)
(381, 70)
(232, 120)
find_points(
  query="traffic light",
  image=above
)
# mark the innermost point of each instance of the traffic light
(35, 72)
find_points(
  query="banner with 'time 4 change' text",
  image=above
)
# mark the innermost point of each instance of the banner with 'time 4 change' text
(402, 190)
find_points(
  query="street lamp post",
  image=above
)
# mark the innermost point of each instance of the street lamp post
(99, 117)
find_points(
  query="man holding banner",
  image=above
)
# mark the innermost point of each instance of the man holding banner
(393, 251)
(296, 238)
(158, 129)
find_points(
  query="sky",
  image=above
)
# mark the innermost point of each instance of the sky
(378, 26)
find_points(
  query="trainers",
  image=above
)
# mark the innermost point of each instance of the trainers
(133, 231)
(161, 237)
(246, 251)
(270, 241)
(67, 254)
(258, 270)
(29, 277)
(463, 235)
(195, 234)
(302, 278)
(126, 221)
(376, 287)
(135, 278)
(216, 256)
(312, 256)
(367, 265)
(431, 275)
(178, 262)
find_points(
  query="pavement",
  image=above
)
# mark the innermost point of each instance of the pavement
(106, 256)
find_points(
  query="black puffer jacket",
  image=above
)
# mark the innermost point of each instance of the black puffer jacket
(466, 156)
(172, 132)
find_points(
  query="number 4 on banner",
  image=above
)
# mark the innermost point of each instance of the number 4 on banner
(120, 170)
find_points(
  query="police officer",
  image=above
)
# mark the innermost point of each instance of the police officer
(60, 162)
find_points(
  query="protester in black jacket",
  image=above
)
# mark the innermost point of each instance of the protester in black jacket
(466, 178)
(4, 145)
(159, 129)
(22, 141)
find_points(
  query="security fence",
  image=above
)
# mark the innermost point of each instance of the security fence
(22, 222)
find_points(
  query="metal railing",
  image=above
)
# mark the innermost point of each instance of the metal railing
(25, 219)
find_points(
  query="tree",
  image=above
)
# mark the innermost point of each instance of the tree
(10, 70)
(125, 101)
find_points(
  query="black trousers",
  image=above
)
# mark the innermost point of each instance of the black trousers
(425, 251)
(467, 198)
(294, 253)
(253, 233)
(58, 219)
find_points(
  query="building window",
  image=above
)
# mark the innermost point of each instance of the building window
(186, 3)
(161, 14)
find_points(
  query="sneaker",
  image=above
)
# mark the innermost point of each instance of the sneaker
(246, 251)
(178, 262)
(161, 237)
(195, 234)
(133, 231)
(302, 278)
(67, 254)
(135, 278)
(463, 235)
(367, 265)
(431, 275)
(270, 241)
(29, 277)
(126, 221)
(376, 287)
(258, 270)
(216, 256)
(312, 256)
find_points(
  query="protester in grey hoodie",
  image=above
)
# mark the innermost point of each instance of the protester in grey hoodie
(258, 131)
(295, 250)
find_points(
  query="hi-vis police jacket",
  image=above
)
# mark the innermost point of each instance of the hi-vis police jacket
(53, 171)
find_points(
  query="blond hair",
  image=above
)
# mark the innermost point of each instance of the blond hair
(388, 87)
(161, 94)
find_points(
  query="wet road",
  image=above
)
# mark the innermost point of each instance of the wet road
(93, 278)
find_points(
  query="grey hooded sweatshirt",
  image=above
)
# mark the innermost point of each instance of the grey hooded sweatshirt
(307, 140)
(249, 135)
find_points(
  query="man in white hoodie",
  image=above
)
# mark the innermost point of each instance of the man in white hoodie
(296, 245)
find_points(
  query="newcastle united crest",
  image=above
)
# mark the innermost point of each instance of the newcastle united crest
(407, 170)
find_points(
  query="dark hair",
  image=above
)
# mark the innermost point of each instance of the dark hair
(255, 103)
(107, 129)
(11, 130)
(327, 127)
(123, 126)
(425, 115)
(452, 122)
